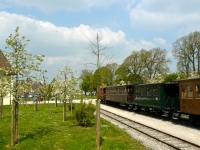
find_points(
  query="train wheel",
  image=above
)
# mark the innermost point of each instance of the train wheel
(176, 115)
(129, 107)
(146, 110)
(194, 120)
(158, 112)
(136, 108)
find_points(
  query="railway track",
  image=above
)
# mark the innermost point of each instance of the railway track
(167, 139)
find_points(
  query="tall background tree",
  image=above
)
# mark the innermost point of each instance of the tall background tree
(155, 62)
(143, 65)
(187, 51)
(22, 64)
(104, 75)
(86, 81)
(86, 84)
(112, 67)
(131, 70)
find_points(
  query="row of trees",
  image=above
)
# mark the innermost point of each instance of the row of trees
(19, 76)
(139, 67)
(146, 66)
(21, 65)
(64, 86)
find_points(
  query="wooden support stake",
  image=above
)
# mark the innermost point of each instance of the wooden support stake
(98, 123)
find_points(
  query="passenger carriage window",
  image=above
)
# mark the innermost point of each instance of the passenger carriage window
(190, 91)
(143, 91)
(197, 90)
(155, 91)
(140, 91)
(149, 91)
(183, 91)
(137, 91)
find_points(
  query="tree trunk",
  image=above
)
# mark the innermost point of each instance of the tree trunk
(13, 130)
(1, 107)
(71, 106)
(56, 102)
(16, 120)
(48, 107)
(98, 124)
(64, 111)
(36, 104)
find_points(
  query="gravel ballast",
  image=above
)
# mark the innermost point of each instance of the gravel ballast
(186, 133)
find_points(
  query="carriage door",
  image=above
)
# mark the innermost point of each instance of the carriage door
(189, 102)
(130, 95)
(197, 95)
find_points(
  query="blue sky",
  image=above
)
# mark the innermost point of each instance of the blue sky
(58, 28)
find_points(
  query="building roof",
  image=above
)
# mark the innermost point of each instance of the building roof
(3, 61)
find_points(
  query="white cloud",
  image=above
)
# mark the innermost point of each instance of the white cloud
(165, 14)
(63, 45)
(160, 41)
(147, 44)
(60, 59)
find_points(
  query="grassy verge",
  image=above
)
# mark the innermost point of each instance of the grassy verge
(45, 130)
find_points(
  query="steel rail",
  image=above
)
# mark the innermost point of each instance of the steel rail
(170, 140)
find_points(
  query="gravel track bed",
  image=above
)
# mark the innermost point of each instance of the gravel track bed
(186, 133)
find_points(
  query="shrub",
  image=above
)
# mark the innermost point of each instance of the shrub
(85, 114)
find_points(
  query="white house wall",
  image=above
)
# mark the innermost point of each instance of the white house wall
(7, 99)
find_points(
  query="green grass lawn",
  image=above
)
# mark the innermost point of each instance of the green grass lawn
(45, 130)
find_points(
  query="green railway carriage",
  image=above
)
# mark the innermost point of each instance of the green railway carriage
(157, 97)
